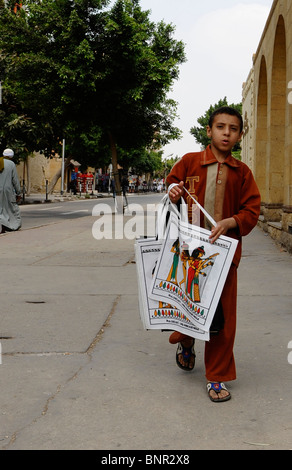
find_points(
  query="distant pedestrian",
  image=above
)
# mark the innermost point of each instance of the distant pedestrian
(10, 194)
(125, 187)
(73, 182)
(113, 187)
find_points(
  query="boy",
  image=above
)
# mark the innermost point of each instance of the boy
(225, 187)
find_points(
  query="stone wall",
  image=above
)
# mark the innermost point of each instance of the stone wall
(40, 170)
(267, 110)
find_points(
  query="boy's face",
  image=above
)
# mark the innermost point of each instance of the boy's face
(225, 132)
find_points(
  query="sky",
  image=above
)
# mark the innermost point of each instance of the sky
(220, 39)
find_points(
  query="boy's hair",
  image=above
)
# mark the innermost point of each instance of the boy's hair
(226, 110)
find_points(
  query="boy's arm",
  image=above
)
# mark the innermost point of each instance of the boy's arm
(249, 210)
(175, 181)
(250, 205)
(222, 228)
(175, 192)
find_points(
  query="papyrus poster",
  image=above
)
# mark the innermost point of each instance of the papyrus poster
(157, 314)
(191, 271)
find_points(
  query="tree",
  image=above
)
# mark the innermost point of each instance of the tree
(140, 63)
(47, 73)
(49, 46)
(97, 77)
(142, 161)
(200, 132)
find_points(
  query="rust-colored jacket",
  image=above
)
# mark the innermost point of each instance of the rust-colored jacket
(224, 190)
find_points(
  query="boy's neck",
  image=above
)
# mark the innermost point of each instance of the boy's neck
(220, 156)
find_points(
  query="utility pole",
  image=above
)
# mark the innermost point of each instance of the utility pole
(63, 167)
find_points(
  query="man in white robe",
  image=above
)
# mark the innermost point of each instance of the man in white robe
(10, 194)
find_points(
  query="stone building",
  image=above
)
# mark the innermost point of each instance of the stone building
(267, 111)
(38, 169)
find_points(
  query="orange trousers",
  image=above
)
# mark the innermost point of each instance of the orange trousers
(219, 357)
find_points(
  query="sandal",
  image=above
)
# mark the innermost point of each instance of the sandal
(217, 387)
(187, 354)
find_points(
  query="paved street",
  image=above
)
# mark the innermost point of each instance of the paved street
(44, 214)
(79, 372)
(61, 208)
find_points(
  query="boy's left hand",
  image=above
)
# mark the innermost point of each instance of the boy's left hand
(222, 228)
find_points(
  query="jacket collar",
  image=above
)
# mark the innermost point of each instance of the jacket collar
(208, 158)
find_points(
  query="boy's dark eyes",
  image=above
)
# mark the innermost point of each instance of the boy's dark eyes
(234, 129)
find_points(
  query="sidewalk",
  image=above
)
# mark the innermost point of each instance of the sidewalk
(39, 198)
(79, 372)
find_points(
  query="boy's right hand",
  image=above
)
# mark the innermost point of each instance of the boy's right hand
(176, 192)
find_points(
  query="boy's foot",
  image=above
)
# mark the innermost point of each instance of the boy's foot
(218, 392)
(185, 354)
(177, 337)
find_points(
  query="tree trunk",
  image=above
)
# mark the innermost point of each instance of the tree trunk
(28, 185)
(26, 175)
(115, 163)
(57, 176)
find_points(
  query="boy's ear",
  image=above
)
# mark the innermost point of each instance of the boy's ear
(209, 131)
(240, 136)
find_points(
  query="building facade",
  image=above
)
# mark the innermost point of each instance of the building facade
(37, 170)
(267, 111)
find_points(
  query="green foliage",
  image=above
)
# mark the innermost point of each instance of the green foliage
(141, 161)
(82, 71)
(200, 132)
